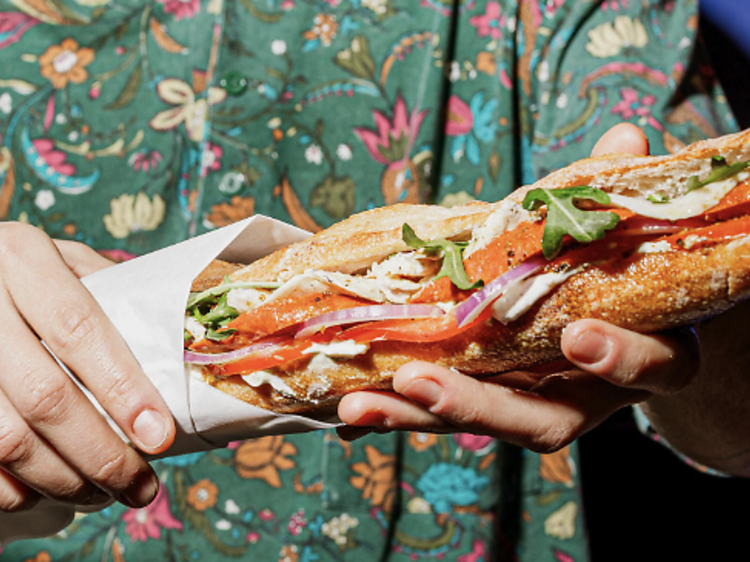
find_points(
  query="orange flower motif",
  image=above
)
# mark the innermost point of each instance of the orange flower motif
(65, 63)
(324, 29)
(421, 441)
(263, 458)
(42, 556)
(289, 553)
(486, 63)
(237, 209)
(557, 467)
(376, 478)
(202, 495)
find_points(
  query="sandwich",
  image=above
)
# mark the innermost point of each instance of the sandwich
(647, 243)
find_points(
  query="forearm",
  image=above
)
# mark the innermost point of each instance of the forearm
(709, 420)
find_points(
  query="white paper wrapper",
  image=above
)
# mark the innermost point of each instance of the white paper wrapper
(145, 298)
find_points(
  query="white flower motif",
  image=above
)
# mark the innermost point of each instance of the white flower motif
(278, 47)
(223, 525)
(231, 507)
(314, 154)
(608, 39)
(44, 199)
(562, 523)
(134, 213)
(344, 152)
(6, 103)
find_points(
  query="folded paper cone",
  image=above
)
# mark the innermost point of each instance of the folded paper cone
(145, 299)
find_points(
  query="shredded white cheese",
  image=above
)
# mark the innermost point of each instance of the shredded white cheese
(692, 204)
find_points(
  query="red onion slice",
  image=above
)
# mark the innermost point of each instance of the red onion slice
(367, 314)
(228, 356)
(477, 302)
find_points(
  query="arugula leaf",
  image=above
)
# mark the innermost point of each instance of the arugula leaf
(720, 170)
(563, 217)
(214, 317)
(453, 265)
(658, 198)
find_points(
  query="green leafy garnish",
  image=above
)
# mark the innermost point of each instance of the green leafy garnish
(453, 265)
(658, 198)
(563, 217)
(214, 314)
(720, 170)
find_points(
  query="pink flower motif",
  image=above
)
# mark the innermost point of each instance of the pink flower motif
(55, 159)
(147, 522)
(392, 141)
(211, 158)
(631, 106)
(145, 160)
(12, 27)
(460, 119)
(266, 514)
(252, 537)
(297, 522)
(181, 8)
(476, 554)
(614, 5)
(491, 22)
(116, 255)
(470, 442)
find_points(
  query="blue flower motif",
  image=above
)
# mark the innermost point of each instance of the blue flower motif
(307, 555)
(483, 128)
(444, 485)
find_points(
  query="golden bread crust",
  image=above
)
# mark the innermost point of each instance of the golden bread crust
(646, 292)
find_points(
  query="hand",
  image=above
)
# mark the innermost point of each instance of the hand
(53, 442)
(543, 409)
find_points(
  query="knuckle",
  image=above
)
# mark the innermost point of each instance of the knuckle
(115, 471)
(119, 391)
(555, 437)
(45, 398)
(15, 444)
(465, 415)
(13, 500)
(73, 326)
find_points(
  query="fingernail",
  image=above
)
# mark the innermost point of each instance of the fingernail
(142, 490)
(150, 428)
(424, 391)
(590, 348)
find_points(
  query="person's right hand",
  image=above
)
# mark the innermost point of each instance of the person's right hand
(53, 441)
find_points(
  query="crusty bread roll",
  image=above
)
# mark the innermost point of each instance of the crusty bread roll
(646, 288)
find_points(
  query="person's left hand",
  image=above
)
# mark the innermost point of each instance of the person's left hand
(542, 409)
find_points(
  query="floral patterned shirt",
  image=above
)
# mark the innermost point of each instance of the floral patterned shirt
(132, 124)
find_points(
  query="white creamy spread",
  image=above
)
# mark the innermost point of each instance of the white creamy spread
(244, 300)
(521, 295)
(344, 349)
(654, 247)
(195, 328)
(259, 378)
(689, 205)
(507, 217)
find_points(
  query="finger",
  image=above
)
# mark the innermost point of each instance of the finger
(625, 138)
(660, 364)
(15, 495)
(55, 408)
(31, 460)
(81, 259)
(75, 328)
(558, 409)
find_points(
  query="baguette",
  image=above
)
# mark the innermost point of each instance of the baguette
(668, 261)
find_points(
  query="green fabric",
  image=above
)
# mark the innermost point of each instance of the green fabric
(130, 125)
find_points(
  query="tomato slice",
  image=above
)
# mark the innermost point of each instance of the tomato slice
(424, 330)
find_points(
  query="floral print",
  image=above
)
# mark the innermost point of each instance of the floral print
(131, 126)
